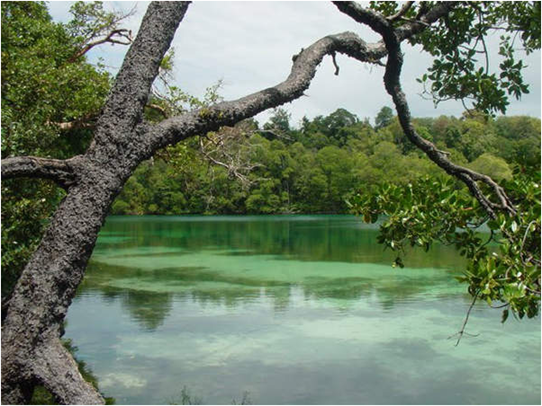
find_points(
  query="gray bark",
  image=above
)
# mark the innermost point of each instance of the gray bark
(31, 350)
(60, 171)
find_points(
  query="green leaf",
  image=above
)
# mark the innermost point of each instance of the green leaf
(504, 315)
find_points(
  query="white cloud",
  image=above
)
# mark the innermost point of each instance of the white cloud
(250, 44)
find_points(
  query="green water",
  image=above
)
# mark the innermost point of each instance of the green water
(292, 310)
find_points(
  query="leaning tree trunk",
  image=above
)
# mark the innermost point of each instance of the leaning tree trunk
(31, 349)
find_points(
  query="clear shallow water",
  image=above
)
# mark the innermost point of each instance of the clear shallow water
(292, 310)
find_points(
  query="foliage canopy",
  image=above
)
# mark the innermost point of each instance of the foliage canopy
(51, 95)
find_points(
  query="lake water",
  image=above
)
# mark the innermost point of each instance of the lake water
(289, 310)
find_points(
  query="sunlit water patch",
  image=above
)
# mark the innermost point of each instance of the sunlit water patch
(291, 310)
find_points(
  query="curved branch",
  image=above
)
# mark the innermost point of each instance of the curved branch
(392, 40)
(228, 113)
(35, 167)
(401, 12)
(426, 19)
(120, 33)
(366, 16)
(379, 23)
(468, 176)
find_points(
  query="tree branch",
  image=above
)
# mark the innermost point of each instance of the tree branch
(34, 167)
(401, 12)
(234, 169)
(392, 40)
(363, 15)
(156, 107)
(122, 33)
(413, 27)
(140, 67)
(303, 70)
(229, 148)
(86, 121)
(424, 20)
(468, 176)
(462, 332)
(201, 121)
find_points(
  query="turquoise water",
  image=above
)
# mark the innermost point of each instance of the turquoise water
(289, 310)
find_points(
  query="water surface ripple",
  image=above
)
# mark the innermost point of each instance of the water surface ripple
(291, 310)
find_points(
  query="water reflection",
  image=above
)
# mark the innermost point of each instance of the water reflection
(147, 294)
(314, 238)
(293, 309)
(149, 309)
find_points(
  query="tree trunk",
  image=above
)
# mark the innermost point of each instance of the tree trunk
(31, 349)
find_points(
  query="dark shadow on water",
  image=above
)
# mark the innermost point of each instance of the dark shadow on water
(148, 294)
(331, 265)
(317, 238)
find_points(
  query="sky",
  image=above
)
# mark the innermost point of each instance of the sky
(249, 46)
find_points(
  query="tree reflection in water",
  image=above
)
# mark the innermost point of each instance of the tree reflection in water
(141, 261)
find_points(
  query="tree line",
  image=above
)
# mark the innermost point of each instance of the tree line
(82, 134)
(319, 166)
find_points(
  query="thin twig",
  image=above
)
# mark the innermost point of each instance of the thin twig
(123, 33)
(484, 44)
(461, 332)
(500, 306)
(410, 20)
(491, 235)
(526, 233)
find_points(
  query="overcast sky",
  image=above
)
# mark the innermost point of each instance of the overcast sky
(249, 45)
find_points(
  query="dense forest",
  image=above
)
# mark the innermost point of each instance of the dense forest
(318, 166)
(83, 133)
(52, 95)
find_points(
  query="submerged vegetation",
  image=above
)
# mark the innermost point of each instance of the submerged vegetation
(329, 164)
(295, 309)
(186, 398)
(100, 147)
